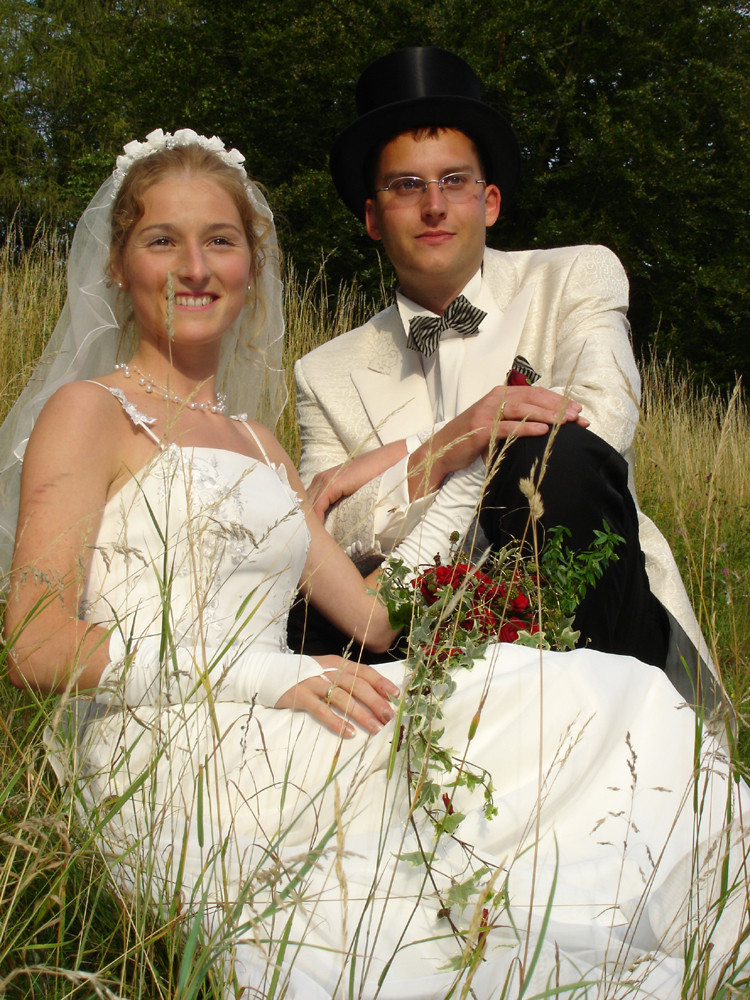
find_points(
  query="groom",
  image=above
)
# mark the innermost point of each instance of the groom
(480, 346)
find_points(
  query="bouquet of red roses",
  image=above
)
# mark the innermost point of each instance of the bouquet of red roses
(493, 606)
(450, 613)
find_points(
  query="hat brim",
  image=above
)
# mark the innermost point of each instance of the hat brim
(492, 134)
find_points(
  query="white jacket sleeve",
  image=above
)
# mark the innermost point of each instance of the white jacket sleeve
(368, 522)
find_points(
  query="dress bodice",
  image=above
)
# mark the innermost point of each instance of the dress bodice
(207, 543)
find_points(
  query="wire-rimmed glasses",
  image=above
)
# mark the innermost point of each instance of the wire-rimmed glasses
(456, 187)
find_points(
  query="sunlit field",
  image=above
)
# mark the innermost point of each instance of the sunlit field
(66, 928)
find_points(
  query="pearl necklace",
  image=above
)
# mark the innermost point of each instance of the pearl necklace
(219, 404)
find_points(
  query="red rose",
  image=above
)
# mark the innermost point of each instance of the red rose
(429, 582)
(482, 577)
(459, 572)
(520, 603)
(441, 653)
(483, 584)
(481, 618)
(509, 632)
(495, 593)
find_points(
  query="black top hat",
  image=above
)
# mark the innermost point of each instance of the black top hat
(415, 88)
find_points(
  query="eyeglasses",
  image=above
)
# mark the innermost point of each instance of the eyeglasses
(456, 187)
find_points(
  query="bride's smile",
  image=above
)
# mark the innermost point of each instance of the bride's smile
(188, 255)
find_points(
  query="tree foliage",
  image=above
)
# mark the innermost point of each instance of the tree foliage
(633, 119)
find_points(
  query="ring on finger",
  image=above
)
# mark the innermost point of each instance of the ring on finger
(502, 411)
(329, 693)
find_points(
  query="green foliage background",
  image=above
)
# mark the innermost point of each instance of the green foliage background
(633, 118)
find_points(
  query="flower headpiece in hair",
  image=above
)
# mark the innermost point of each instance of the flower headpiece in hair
(158, 140)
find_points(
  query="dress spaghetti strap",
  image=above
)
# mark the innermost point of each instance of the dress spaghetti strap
(255, 438)
(138, 418)
(143, 421)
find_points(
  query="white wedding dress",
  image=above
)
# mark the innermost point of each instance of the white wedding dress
(604, 859)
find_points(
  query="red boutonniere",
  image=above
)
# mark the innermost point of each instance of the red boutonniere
(521, 372)
(516, 378)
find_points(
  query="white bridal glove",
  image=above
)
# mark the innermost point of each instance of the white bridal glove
(140, 678)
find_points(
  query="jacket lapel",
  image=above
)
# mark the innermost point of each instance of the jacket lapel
(487, 361)
(392, 387)
(509, 276)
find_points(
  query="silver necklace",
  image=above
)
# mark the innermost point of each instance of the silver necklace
(219, 405)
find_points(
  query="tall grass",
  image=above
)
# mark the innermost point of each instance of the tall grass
(32, 292)
(65, 929)
(693, 480)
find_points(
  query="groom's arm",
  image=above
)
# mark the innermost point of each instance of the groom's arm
(589, 356)
(384, 496)
(415, 531)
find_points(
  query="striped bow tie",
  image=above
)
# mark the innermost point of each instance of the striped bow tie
(425, 331)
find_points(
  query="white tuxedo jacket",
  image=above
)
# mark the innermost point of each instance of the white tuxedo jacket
(364, 388)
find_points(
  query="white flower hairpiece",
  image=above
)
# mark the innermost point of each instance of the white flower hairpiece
(159, 140)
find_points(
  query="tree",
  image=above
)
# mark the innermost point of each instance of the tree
(633, 120)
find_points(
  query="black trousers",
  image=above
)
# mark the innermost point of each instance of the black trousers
(585, 481)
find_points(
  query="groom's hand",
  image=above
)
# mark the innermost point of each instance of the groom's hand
(521, 411)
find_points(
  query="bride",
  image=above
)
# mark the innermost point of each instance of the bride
(160, 538)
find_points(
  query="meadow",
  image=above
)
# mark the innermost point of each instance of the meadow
(65, 929)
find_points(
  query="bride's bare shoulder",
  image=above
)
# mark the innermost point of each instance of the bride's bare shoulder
(266, 439)
(82, 410)
(93, 394)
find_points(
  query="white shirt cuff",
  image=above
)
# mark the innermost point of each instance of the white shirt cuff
(395, 515)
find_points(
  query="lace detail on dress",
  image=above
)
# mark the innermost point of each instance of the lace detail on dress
(138, 417)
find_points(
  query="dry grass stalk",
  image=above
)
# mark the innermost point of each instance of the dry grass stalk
(61, 912)
(693, 479)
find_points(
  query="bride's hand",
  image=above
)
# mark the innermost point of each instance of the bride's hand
(356, 691)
